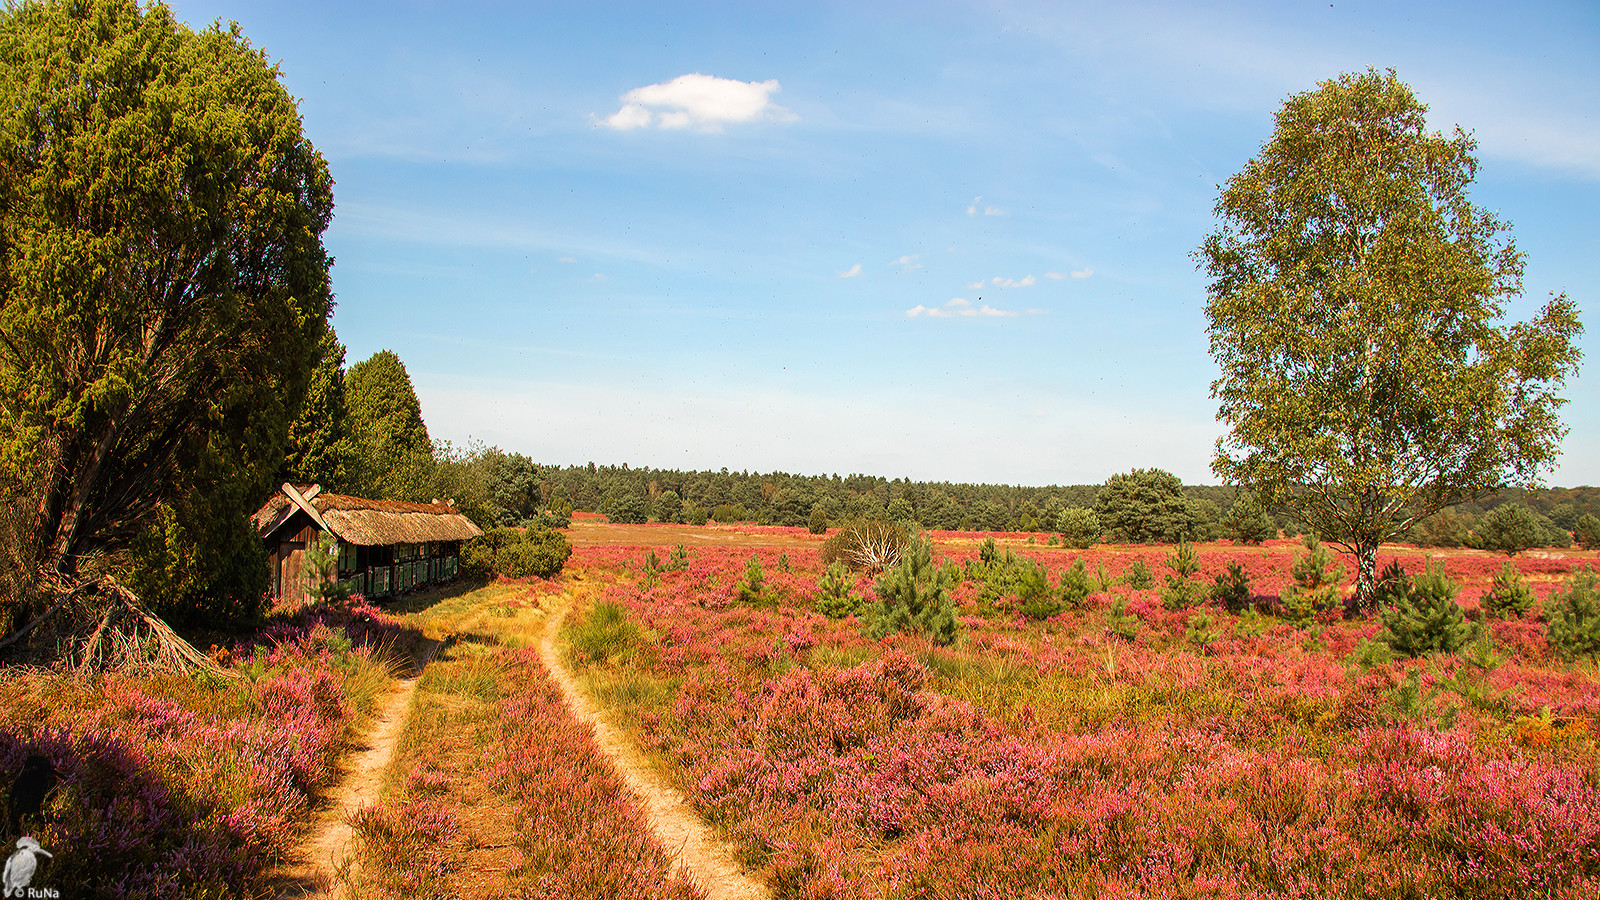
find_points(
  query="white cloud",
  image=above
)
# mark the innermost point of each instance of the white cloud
(1025, 281)
(907, 262)
(976, 285)
(702, 102)
(566, 259)
(851, 272)
(973, 208)
(1082, 273)
(1077, 273)
(959, 307)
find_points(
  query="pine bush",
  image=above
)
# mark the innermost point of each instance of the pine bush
(1428, 619)
(1138, 576)
(836, 596)
(1574, 616)
(1079, 527)
(753, 586)
(1232, 588)
(1076, 586)
(913, 596)
(1392, 587)
(1315, 588)
(1510, 596)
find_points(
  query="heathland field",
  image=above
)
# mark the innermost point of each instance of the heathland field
(1115, 732)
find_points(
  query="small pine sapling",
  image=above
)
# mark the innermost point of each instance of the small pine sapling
(836, 596)
(913, 596)
(1119, 622)
(1231, 589)
(1393, 585)
(753, 586)
(1510, 596)
(1076, 586)
(1181, 592)
(679, 560)
(1315, 588)
(1200, 633)
(1574, 616)
(1138, 576)
(1428, 619)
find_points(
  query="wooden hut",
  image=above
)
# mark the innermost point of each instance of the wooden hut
(385, 547)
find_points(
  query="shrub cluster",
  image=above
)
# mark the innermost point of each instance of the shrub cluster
(514, 553)
(913, 596)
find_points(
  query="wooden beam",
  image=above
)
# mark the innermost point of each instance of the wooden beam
(304, 502)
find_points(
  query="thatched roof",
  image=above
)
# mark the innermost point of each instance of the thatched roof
(369, 523)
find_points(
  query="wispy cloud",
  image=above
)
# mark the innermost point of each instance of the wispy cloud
(701, 102)
(973, 208)
(851, 272)
(1076, 273)
(1025, 281)
(566, 259)
(907, 262)
(960, 307)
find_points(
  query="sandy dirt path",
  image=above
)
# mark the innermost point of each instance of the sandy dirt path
(330, 841)
(695, 848)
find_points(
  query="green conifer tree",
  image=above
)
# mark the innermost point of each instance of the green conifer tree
(1428, 619)
(1574, 615)
(913, 596)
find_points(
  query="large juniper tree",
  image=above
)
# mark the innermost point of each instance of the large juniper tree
(163, 284)
(1355, 310)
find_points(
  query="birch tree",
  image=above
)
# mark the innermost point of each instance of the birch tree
(1356, 310)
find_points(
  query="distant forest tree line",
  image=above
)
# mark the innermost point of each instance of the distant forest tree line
(362, 433)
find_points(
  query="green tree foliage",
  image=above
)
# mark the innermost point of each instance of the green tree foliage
(516, 553)
(1428, 619)
(1587, 532)
(1148, 506)
(625, 506)
(668, 507)
(1509, 528)
(392, 456)
(730, 512)
(1445, 528)
(1316, 585)
(1231, 589)
(163, 284)
(1354, 296)
(319, 449)
(1510, 595)
(1574, 616)
(836, 597)
(1247, 522)
(913, 596)
(817, 522)
(1182, 591)
(1079, 527)
(752, 587)
(1076, 586)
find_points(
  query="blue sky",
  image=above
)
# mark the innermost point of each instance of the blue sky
(939, 240)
